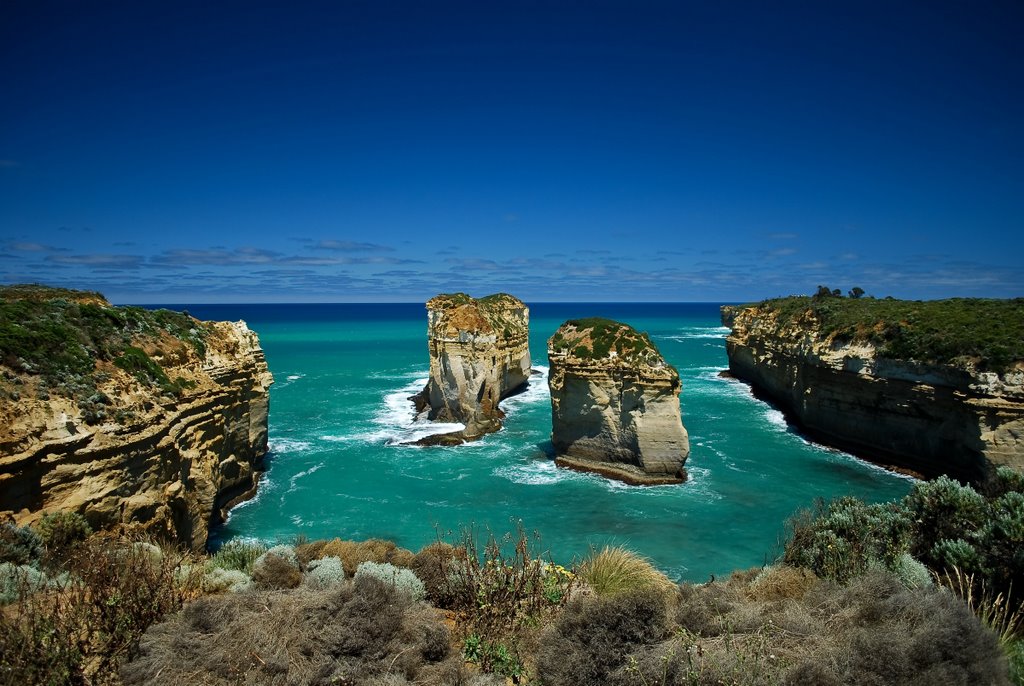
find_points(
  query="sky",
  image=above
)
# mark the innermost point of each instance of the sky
(346, 151)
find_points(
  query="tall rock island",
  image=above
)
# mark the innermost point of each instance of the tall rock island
(615, 404)
(479, 354)
(126, 415)
(932, 388)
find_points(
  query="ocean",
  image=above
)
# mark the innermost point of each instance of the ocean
(339, 412)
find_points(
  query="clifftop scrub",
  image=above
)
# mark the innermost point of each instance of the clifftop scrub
(966, 333)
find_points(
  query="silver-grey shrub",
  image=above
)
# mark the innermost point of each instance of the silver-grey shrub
(323, 573)
(404, 580)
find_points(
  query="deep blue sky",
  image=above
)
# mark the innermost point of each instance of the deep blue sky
(672, 151)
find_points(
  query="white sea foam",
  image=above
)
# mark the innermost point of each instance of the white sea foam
(717, 332)
(395, 421)
(295, 377)
(776, 419)
(293, 482)
(534, 473)
(536, 392)
(285, 446)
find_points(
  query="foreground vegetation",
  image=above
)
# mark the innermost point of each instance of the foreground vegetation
(100, 609)
(963, 332)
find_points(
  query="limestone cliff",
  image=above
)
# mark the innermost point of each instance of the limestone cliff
(127, 415)
(837, 371)
(615, 404)
(479, 354)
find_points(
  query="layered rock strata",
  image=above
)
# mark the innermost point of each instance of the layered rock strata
(479, 355)
(923, 418)
(170, 457)
(615, 404)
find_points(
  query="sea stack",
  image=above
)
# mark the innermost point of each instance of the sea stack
(615, 404)
(479, 354)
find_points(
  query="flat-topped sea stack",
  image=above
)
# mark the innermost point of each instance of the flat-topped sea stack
(126, 415)
(929, 387)
(479, 355)
(615, 404)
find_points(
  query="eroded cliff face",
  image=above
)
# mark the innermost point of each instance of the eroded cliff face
(168, 457)
(615, 404)
(927, 419)
(479, 354)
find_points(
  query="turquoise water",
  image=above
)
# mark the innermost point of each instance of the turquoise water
(339, 405)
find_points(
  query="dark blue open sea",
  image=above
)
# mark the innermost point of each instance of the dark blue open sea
(339, 404)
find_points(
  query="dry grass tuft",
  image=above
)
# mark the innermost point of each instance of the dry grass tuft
(779, 582)
(616, 570)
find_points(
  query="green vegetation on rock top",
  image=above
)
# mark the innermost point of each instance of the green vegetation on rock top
(446, 300)
(60, 339)
(594, 338)
(962, 332)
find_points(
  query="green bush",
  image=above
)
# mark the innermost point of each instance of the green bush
(19, 545)
(61, 531)
(844, 538)
(238, 554)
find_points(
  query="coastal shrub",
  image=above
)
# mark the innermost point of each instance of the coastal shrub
(872, 631)
(348, 634)
(238, 554)
(911, 572)
(220, 580)
(403, 580)
(60, 531)
(323, 573)
(1002, 539)
(842, 539)
(593, 636)
(615, 570)
(277, 568)
(943, 509)
(19, 545)
(921, 636)
(17, 581)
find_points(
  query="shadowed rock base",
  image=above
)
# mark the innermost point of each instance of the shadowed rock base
(634, 476)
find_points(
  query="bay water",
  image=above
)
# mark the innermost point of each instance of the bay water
(339, 415)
